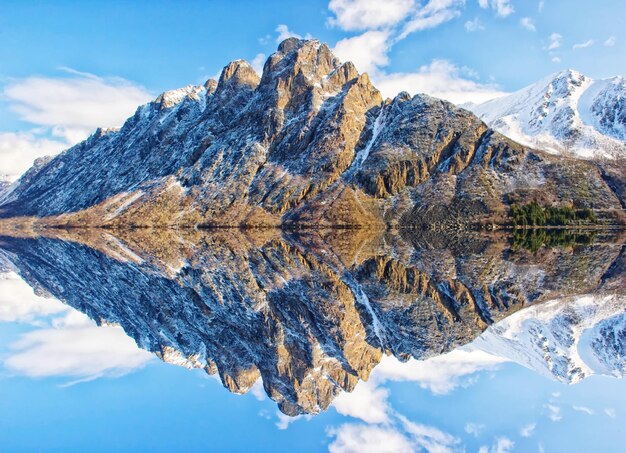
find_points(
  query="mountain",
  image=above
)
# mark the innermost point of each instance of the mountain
(566, 113)
(310, 312)
(310, 142)
(567, 340)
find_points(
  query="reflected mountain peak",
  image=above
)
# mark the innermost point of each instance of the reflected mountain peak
(310, 312)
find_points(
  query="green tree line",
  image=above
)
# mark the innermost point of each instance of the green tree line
(533, 240)
(532, 214)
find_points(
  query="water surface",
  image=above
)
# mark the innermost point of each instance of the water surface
(340, 340)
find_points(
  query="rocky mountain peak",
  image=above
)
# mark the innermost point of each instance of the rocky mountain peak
(238, 74)
(211, 86)
(308, 61)
(171, 98)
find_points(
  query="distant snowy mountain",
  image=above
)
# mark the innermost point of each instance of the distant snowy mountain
(566, 340)
(567, 113)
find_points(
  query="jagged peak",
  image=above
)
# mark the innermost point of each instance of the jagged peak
(236, 74)
(171, 98)
(310, 58)
(292, 43)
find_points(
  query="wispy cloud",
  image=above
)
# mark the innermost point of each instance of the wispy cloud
(431, 15)
(354, 15)
(555, 41)
(474, 25)
(583, 409)
(527, 430)
(501, 445)
(610, 42)
(502, 8)
(610, 412)
(528, 24)
(284, 33)
(475, 429)
(554, 412)
(583, 45)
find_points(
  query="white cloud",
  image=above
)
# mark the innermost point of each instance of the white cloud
(583, 45)
(257, 63)
(354, 438)
(556, 60)
(474, 25)
(257, 390)
(501, 445)
(474, 429)
(285, 420)
(366, 402)
(527, 430)
(554, 412)
(76, 347)
(284, 33)
(610, 42)
(354, 15)
(18, 151)
(406, 436)
(431, 15)
(74, 106)
(555, 41)
(441, 79)
(528, 24)
(367, 51)
(64, 111)
(583, 409)
(541, 5)
(610, 412)
(440, 374)
(19, 303)
(503, 8)
(429, 438)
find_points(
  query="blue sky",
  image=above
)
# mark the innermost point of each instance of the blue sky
(69, 67)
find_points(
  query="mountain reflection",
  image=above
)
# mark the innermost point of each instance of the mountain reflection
(309, 312)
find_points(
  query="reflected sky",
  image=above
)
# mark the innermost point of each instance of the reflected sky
(87, 387)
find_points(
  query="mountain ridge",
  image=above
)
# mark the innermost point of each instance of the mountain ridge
(310, 142)
(566, 112)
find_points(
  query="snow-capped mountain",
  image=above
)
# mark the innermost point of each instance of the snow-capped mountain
(567, 340)
(566, 113)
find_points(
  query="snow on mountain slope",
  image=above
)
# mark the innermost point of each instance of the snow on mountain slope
(566, 113)
(568, 340)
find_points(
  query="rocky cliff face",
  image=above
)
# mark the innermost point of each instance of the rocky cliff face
(310, 142)
(311, 314)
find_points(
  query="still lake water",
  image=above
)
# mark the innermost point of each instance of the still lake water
(341, 340)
